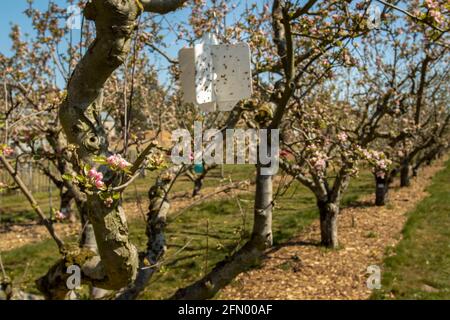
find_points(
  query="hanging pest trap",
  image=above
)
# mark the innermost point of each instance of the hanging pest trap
(215, 76)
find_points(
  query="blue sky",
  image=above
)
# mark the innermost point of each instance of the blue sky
(12, 13)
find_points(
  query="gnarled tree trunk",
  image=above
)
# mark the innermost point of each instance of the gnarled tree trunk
(117, 263)
(328, 223)
(115, 22)
(156, 223)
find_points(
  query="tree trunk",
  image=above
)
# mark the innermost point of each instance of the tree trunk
(80, 118)
(381, 191)
(198, 184)
(251, 253)
(155, 231)
(65, 205)
(88, 242)
(404, 174)
(328, 224)
(117, 263)
(200, 178)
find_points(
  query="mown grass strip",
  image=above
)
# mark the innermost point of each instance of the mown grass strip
(420, 267)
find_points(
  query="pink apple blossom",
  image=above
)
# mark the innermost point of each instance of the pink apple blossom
(117, 162)
(437, 16)
(431, 4)
(96, 178)
(6, 151)
(99, 184)
(60, 215)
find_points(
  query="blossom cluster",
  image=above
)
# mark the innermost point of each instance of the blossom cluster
(5, 150)
(379, 162)
(116, 162)
(434, 12)
(319, 161)
(96, 179)
(91, 178)
(60, 216)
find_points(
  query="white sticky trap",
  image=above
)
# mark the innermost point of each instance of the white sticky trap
(233, 80)
(207, 107)
(215, 75)
(186, 56)
(204, 75)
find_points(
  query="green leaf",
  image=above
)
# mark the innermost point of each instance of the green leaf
(100, 160)
(116, 196)
(86, 169)
(67, 177)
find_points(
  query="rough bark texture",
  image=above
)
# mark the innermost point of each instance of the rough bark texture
(88, 242)
(54, 283)
(65, 205)
(381, 191)
(244, 258)
(329, 223)
(404, 175)
(156, 223)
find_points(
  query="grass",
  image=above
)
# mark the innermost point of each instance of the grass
(420, 265)
(207, 233)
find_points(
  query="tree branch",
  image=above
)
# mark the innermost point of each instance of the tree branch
(162, 6)
(45, 221)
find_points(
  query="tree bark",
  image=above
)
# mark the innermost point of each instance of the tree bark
(328, 223)
(381, 191)
(404, 174)
(115, 22)
(198, 180)
(65, 205)
(155, 231)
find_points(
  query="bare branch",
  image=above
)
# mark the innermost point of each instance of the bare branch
(45, 221)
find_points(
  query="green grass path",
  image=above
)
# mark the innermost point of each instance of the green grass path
(420, 268)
